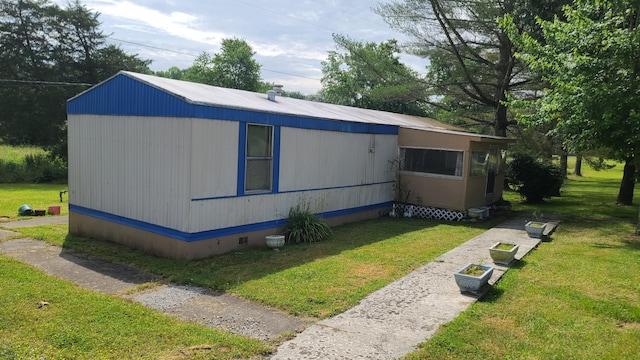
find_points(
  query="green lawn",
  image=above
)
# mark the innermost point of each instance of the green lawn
(82, 324)
(38, 196)
(575, 297)
(317, 280)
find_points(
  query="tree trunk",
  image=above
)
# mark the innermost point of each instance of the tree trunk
(500, 121)
(577, 171)
(638, 225)
(563, 163)
(625, 195)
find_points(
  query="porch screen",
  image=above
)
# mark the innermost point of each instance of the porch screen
(259, 158)
(432, 161)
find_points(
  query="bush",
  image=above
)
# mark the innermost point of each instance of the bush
(33, 168)
(304, 226)
(534, 180)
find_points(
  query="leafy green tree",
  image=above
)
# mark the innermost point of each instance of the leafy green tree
(201, 71)
(592, 65)
(233, 67)
(473, 68)
(173, 72)
(49, 54)
(371, 76)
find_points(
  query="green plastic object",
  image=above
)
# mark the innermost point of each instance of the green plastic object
(25, 210)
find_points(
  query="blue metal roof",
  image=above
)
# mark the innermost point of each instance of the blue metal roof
(133, 94)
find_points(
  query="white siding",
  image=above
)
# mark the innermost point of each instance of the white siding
(214, 158)
(134, 167)
(229, 212)
(316, 159)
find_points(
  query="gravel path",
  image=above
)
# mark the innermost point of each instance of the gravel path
(215, 309)
(387, 324)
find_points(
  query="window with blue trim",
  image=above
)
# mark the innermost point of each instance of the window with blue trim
(259, 158)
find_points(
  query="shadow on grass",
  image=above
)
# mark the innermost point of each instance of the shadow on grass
(632, 243)
(219, 272)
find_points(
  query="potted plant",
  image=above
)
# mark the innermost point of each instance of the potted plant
(473, 277)
(535, 228)
(503, 253)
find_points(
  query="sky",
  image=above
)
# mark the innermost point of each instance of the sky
(290, 37)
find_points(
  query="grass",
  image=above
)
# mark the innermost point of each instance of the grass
(81, 324)
(16, 154)
(575, 297)
(317, 280)
(26, 164)
(38, 196)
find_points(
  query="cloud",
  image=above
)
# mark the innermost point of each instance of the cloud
(290, 38)
(175, 23)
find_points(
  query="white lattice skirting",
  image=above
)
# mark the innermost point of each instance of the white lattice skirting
(425, 212)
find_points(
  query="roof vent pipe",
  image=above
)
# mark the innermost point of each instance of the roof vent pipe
(271, 95)
(277, 88)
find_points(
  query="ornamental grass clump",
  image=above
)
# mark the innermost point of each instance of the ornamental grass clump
(304, 226)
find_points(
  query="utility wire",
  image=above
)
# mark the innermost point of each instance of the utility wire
(195, 56)
(38, 82)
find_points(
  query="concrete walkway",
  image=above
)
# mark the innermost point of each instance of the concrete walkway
(387, 324)
(190, 303)
(392, 321)
(36, 221)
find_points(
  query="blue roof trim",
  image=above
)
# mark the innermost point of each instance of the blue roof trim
(291, 191)
(190, 237)
(123, 95)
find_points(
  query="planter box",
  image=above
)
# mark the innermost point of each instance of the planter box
(470, 283)
(275, 241)
(535, 229)
(39, 212)
(54, 210)
(475, 213)
(501, 256)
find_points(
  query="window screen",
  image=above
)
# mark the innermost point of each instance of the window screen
(432, 161)
(259, 160)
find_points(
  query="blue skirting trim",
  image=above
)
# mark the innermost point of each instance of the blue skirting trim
(209, 234)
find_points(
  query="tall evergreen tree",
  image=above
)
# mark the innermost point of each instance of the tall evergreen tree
(473, 67)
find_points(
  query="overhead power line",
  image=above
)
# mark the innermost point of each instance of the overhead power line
(38, 82)
(195, 56)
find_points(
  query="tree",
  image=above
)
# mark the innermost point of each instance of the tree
(592, 65)
(173, 72)
(371, 76)
(49, 54)
(473, 67)
(234, 67)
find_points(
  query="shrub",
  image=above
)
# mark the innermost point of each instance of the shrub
(33, 168)
(304, 226)
(533, 179)
(41, 168)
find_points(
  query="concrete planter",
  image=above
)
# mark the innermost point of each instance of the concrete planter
(502, 256)
(535, 229)
(275, 241)
(472, 283)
